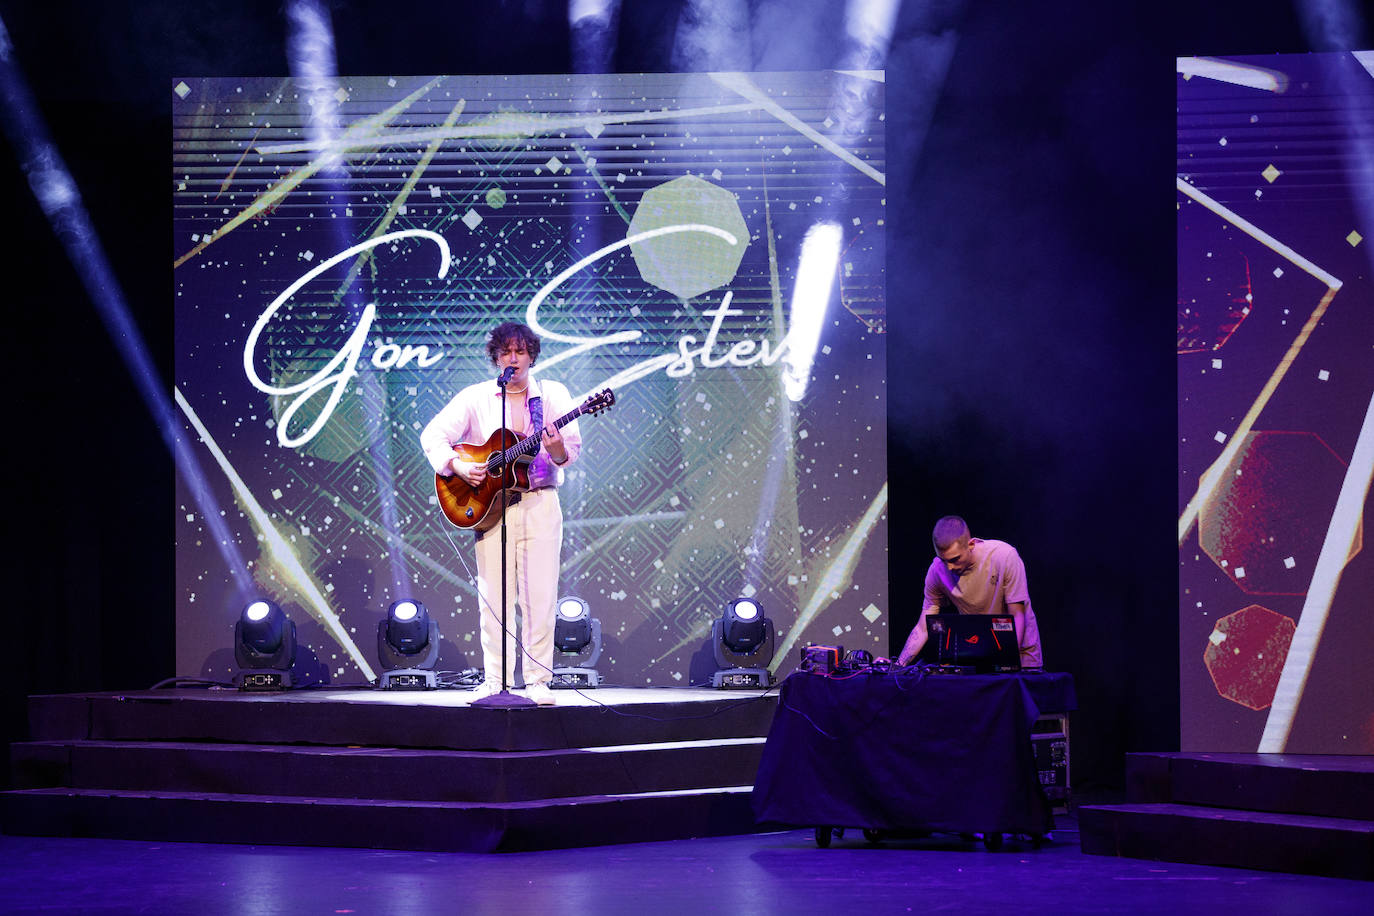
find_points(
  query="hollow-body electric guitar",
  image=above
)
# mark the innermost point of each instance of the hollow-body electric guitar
(504, 454)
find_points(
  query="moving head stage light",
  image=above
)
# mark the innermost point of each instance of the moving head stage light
(264, 647)
(742, 641)
(407, 647)
(577, 645)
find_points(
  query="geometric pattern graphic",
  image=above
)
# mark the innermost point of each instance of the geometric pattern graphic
(1245, 654)
(1275, 383)
(1210, 312)
(688, 265)
(1263, 524)
(340, 253)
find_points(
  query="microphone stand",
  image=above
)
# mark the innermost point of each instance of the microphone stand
(505, 699)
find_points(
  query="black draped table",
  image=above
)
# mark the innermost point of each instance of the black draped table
(909, 750)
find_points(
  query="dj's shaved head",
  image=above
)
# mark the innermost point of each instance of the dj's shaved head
(949, 531)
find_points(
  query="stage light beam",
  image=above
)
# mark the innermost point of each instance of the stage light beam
(593, 25)
(61, 202)
(712, 36)
(1332, 25)
(868, 25)
(310, 45)
(810, 297)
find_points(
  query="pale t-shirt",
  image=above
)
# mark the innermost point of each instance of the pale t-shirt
(997, 578)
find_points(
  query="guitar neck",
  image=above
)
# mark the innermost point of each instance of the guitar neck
(529, 444)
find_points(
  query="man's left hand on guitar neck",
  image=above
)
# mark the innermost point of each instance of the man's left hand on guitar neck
(553, 444)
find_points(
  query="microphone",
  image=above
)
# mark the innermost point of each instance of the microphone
(504, 378)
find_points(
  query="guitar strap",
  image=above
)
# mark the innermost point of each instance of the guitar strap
(537, 422)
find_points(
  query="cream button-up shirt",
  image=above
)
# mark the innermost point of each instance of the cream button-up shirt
(474, 415)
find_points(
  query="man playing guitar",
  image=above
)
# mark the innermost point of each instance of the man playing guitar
(534, 518)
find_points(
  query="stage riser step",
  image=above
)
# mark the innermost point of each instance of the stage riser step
(1326, 786)
(382, 825)
(383, 773)
(182, 716)
(1333, 847)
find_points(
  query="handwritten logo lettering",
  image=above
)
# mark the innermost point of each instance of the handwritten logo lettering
(333, 378)
(336, 374)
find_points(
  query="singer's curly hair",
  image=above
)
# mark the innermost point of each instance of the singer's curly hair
(503, 334)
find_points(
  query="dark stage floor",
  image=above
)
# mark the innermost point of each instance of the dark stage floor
(767, 873)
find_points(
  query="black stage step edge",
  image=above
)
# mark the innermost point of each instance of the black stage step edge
(384, 773)
(1302, 844)
(410, 825)
(1323, 785)
(300, 717)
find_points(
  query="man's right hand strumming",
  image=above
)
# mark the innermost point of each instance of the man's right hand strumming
(474, 472)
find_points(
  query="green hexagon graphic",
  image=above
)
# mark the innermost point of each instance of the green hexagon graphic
(688, 264)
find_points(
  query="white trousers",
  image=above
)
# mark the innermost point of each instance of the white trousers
(534, 542)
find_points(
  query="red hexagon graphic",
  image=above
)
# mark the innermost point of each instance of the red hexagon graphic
(1245, 654)
(1264, 523)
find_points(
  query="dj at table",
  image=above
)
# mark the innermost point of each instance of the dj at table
(975, 576)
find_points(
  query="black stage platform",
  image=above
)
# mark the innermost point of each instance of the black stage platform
(389, 769)
(1303, 813)
(426, 771)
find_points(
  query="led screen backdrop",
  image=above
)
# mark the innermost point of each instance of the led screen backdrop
(1275, 377)
(341, 251)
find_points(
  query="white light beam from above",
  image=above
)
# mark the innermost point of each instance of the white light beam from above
(869, 24)
(61, 202)
(815, 278)
(593, 26)
(311, 49)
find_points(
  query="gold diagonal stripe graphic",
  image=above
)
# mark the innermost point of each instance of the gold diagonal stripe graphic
(401, 197)
(1208, 482)
(275, 545)
(502, 128)
(273, 195)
